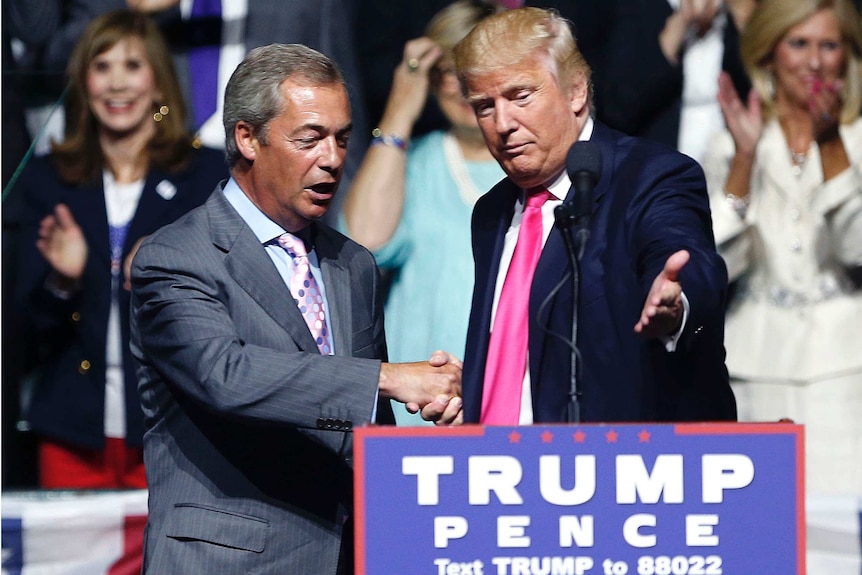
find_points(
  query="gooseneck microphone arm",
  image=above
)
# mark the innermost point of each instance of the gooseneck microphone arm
(563, 221)
(584, 165)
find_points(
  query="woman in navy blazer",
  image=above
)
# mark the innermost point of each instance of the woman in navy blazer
(126, 168)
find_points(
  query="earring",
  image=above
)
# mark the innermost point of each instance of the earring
(163, 111)
(770, 84)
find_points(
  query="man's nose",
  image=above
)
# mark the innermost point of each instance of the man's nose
(504, 118)
(332, 154)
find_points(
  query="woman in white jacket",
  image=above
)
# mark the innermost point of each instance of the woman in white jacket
(785, 183)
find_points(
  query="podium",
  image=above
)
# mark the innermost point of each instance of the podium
(686, 499)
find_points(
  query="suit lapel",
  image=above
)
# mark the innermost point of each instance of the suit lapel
(150, 208)
(554, 261)
(491, 218)
(251, 268)
(489, 236)
(775, 164)
(554, 264)
(604, 137)
(88, 204)
(336, 281)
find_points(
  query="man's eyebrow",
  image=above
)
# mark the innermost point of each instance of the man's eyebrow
(323, 129)
(505, 91)
(476, 98)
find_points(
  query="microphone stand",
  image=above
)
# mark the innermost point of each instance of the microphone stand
(564, 217)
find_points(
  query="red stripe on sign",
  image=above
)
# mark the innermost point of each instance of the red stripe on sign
(133, 547)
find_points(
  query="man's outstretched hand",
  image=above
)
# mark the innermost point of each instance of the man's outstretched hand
(663, 309)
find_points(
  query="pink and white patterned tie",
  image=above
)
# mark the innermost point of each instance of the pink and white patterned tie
(305, 291)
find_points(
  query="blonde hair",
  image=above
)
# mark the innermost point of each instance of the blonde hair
(509, 37)
(452, 23)
(770, 22)
(79, 156)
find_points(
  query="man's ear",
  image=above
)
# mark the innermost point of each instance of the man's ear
(246, 140)
(579, 92)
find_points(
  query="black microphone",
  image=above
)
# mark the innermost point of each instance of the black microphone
(584, 166)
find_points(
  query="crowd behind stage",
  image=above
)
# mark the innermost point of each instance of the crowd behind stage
(768, 102)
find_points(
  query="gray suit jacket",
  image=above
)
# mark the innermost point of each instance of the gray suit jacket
(248, 439)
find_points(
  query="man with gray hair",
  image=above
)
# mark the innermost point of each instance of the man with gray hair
(259, 333)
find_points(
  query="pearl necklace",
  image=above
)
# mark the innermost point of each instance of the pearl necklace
(798, 160)
(458, 169)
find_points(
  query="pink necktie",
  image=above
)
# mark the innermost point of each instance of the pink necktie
(306, 292)
(507, 350)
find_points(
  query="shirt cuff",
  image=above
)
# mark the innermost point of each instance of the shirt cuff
(670, 341)
(374, 409)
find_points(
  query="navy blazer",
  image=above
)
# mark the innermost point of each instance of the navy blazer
(69, 399)
(649, 202)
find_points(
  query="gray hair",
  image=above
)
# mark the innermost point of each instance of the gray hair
(253, 92)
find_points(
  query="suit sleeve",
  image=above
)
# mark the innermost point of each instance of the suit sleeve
(671, 213)
(227, 356)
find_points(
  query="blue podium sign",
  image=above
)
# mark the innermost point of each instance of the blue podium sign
(689, 499)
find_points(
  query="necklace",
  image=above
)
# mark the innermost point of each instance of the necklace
(458, 168)
(798, 160)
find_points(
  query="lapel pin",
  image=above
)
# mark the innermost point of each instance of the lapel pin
(166, 189)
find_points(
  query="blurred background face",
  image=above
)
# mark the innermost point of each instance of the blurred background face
(810, 54)
(121, 89)
(448, 92)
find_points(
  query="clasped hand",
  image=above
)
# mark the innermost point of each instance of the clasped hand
(432, 388)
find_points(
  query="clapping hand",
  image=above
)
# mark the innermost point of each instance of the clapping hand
(745, 123)
(61, 242)
(825, 104)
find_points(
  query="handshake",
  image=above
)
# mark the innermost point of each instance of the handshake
(432, 388)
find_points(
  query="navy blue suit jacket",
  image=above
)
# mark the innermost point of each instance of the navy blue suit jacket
(650, 202)
(69, 399)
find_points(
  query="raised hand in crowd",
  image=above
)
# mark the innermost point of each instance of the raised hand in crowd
(63, 245)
